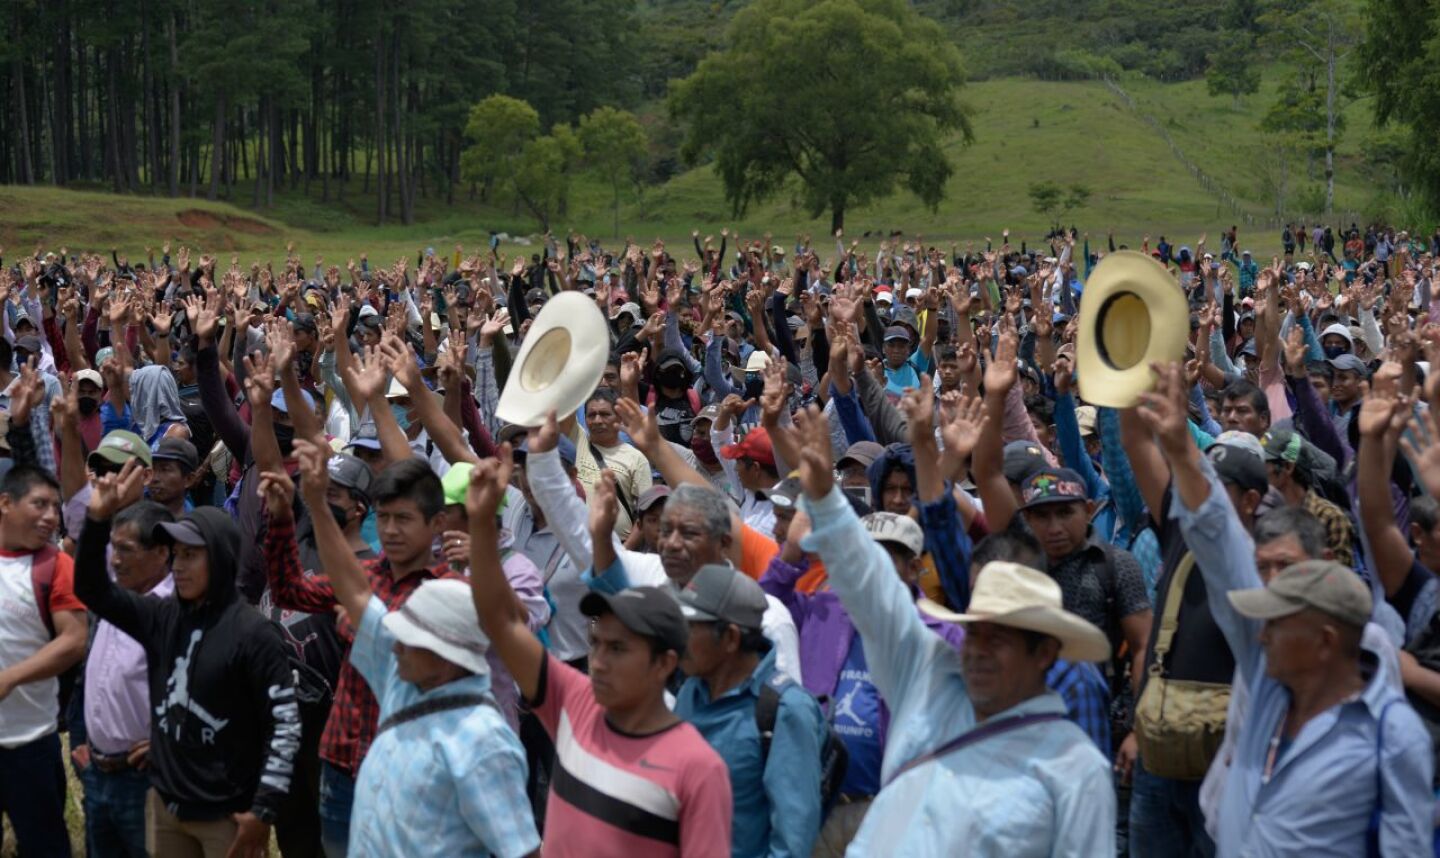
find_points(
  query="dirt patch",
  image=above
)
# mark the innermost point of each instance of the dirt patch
(248, 226)
(203, 220)
(196, 219)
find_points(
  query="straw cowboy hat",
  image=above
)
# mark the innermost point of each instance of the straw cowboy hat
(1132, 314)
(1009, 594)
(560, 362)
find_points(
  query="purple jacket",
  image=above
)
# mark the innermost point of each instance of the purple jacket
(826, 630)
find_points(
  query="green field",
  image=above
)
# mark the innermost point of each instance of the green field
(1025, 131)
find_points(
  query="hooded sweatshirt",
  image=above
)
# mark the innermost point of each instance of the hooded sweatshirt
(225, 724)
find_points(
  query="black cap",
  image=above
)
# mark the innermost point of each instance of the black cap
(670, 357)
(1022, 458)
(535, 296)
(304, 322)
(185, 531)
(648, 611)
(178, 450)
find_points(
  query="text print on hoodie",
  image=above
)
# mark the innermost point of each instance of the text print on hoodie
(227, 724)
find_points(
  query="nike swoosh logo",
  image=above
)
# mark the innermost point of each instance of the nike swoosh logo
(646, 764)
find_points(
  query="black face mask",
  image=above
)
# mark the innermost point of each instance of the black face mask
(671, 378)
(753, 388)
(88, 405)
(342, 515)
(285, 436)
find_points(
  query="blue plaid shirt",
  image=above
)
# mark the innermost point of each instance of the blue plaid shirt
(451, 783)
(1087, 698)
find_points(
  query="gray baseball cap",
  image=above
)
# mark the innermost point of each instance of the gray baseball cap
(723, 594)
(895, 529)
(351, 473)
(1323, 585)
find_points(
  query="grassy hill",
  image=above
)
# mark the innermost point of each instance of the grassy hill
(1026, 131)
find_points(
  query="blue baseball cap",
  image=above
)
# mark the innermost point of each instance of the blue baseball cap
(564, 446)
(277, 401)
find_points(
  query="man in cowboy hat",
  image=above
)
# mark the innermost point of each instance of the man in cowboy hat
(455, 766)
(980, 758)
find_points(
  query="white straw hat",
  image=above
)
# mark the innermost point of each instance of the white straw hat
(559, 364)
(440, 617)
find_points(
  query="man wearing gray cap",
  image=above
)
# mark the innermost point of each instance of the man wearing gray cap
(774, 780)
(1330, 758)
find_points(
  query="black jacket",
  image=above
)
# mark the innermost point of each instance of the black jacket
(224, 725)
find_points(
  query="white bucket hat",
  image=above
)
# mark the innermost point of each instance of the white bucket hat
(440, 617)
(560, 362)
(1009, 594)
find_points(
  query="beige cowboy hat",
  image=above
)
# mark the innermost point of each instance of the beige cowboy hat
(560, 362)
(1132, 314)
(1009, 594)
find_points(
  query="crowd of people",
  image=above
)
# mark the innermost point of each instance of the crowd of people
(751, 550)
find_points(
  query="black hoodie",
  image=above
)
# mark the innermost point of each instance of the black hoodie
(224, 724)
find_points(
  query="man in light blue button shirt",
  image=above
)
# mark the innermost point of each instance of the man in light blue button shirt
(1037, 789)
(1310, 766)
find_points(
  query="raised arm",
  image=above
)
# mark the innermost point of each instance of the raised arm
(347, 579)
(495, 602)
(441, 429)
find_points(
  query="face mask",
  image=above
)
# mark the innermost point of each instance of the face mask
(285, 437)
(1333, 352)
(88, 405)
(400, 417)
(342, 516)
(671, 378)
(700, 446)
(754, 385)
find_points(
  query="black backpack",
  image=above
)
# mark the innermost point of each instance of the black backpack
(833, 756)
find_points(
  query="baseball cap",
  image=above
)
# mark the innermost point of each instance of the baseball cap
(177, 450)
(564, 446)
(896, 529)
(1022, 458)
(1052, 485)
(349, 472)
(1350, 363)
(1323, 585)
(862, 453)
(366, 437)
(185, 532)
(785, 493)
(28, 343)
(277, 401)
(896, 332)
(651, 496)
(670, 357)
(119, 447)
(709, 412)
(535, 296)
(304, 322)
(1239, 466)
(723, 594)
(628, 307)
(913, 293)
(1283, 445)
(884, 296)
(648, 611)
(1086, 415)
(91, 376)
(755, 445)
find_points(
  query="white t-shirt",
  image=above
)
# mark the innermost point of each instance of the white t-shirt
(31, 710)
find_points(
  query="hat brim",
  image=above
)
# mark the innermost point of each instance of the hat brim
(407, 629)
(112, 456)
(1053, 499)
(695, 615)
(1133, 313)
(184, 532)
(1261, 604)
(1079, 639)
(560, 362)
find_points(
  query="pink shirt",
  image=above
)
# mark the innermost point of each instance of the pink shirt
(117, 694)
(619, 796)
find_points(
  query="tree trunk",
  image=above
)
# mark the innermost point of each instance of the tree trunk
(24, 170)
(837, 215)
(382, 140)
(217, 147)
(1330, 111)
(174, 111)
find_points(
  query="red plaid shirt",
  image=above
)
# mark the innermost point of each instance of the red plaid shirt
(354, 714)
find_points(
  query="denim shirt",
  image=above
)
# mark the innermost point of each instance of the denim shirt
(777, 802)
(1319, 796)
(1041, 790)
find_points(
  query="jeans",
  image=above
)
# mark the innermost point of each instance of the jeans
(32, 794)
(1165, 818)
(114, 812)
(337, 797)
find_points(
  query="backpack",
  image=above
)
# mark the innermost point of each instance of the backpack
(833, 756)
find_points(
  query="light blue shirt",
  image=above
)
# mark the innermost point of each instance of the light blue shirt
(777, 807)
(1041, 790)
(1319, 796)
(449, 783)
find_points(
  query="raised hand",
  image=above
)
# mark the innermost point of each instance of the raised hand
(488, 482)
(816, 465)
(632, 368)
(313, 455)
(1295, 349)
(280, 340)
(259, 380)
(642, 427)
(113, 492)
(1165, 409)
(1001, 373)
(604, 507)
(278, 492)
(962, 418)
(65, 408)
(401, 362)
(918, 406)
(366, 374)
(543, 438)
(26, 394)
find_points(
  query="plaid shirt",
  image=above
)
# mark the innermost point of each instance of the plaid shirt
(1339, 531)
(1087, 699)
(354, 714)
